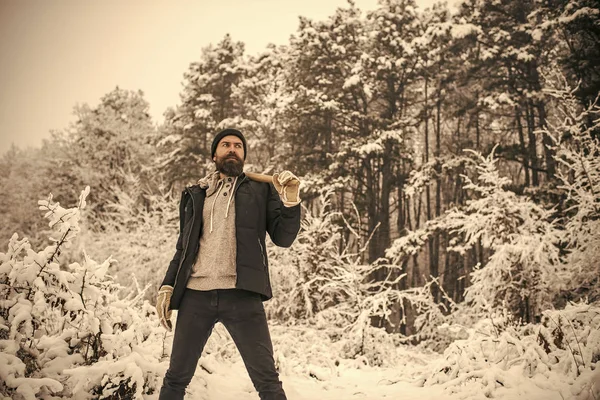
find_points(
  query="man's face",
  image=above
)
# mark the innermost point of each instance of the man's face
(229, 156)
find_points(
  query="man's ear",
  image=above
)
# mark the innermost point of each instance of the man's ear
(215, 158)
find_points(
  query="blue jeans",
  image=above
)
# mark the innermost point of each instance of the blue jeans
(244, 317)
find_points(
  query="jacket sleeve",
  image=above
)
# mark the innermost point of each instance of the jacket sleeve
(174, 264)
(283, 223)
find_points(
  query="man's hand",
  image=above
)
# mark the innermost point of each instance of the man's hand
(162, 306)
(287, 185)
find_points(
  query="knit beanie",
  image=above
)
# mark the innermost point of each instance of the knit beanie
(221, 135)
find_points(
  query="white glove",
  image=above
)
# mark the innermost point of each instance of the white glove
(162, 306)
(288, 187)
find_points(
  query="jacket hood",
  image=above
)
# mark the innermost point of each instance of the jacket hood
(213, 183)
(209, 183)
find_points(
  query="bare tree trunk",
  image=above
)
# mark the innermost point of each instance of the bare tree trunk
(549, 152)
(477, 133)
(524, 153)
(431, 249)
(416, 276)
(434, 243)
(532, 145)
(372, 202)
(401, 220)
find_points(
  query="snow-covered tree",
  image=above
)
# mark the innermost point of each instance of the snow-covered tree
(525, 272)
(349, 109)
(136, 234)
(21, 177)
(505, 53)
(206, 102)
(315, 274)
(320, 280)
(263, 99)
(106, 145)
(575, 25)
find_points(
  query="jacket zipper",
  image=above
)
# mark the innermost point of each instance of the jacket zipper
(190, 232)
(187, 242)
(262, 253)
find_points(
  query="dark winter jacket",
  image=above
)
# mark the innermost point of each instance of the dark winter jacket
(258, 209)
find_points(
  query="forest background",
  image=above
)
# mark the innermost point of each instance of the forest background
(449, 166)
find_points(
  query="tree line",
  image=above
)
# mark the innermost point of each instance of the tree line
(374, 109)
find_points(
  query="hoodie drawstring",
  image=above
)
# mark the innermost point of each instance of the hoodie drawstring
(212, 209)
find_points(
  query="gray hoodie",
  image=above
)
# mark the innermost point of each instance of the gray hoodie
(215, 265)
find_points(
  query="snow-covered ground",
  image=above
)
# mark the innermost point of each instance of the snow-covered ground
(316, 372)
(310, 368)
(231, 382)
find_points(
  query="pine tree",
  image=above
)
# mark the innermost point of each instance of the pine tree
(207, 103)
(578, 155)
(575, 25)
(510, 52)
(263, 99)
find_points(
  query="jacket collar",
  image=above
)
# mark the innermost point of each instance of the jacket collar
(209, 183)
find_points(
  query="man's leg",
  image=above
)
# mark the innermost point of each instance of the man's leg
(243, 315)
(195, 320)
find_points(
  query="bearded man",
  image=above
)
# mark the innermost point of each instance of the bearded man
(220, 270)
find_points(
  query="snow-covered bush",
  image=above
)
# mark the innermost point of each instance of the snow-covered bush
(562, 354)
(318, 281)
(436, 324)
(525, 272)
(374, 346)
(578, 157)
(149, 230)
(305, 350)
(316, 273)
(66, 331)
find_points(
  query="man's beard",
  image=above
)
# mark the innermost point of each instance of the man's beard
(230, 166)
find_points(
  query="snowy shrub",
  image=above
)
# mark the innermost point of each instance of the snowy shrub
(305, 350)
(65, 330)
(436, 324)
(578, 157)
(524, 272)
(137, 235)
(500, 355)
(316, 273)
(373, 346)
(318, 281)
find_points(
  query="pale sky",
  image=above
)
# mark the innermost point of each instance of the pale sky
(58, 53)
